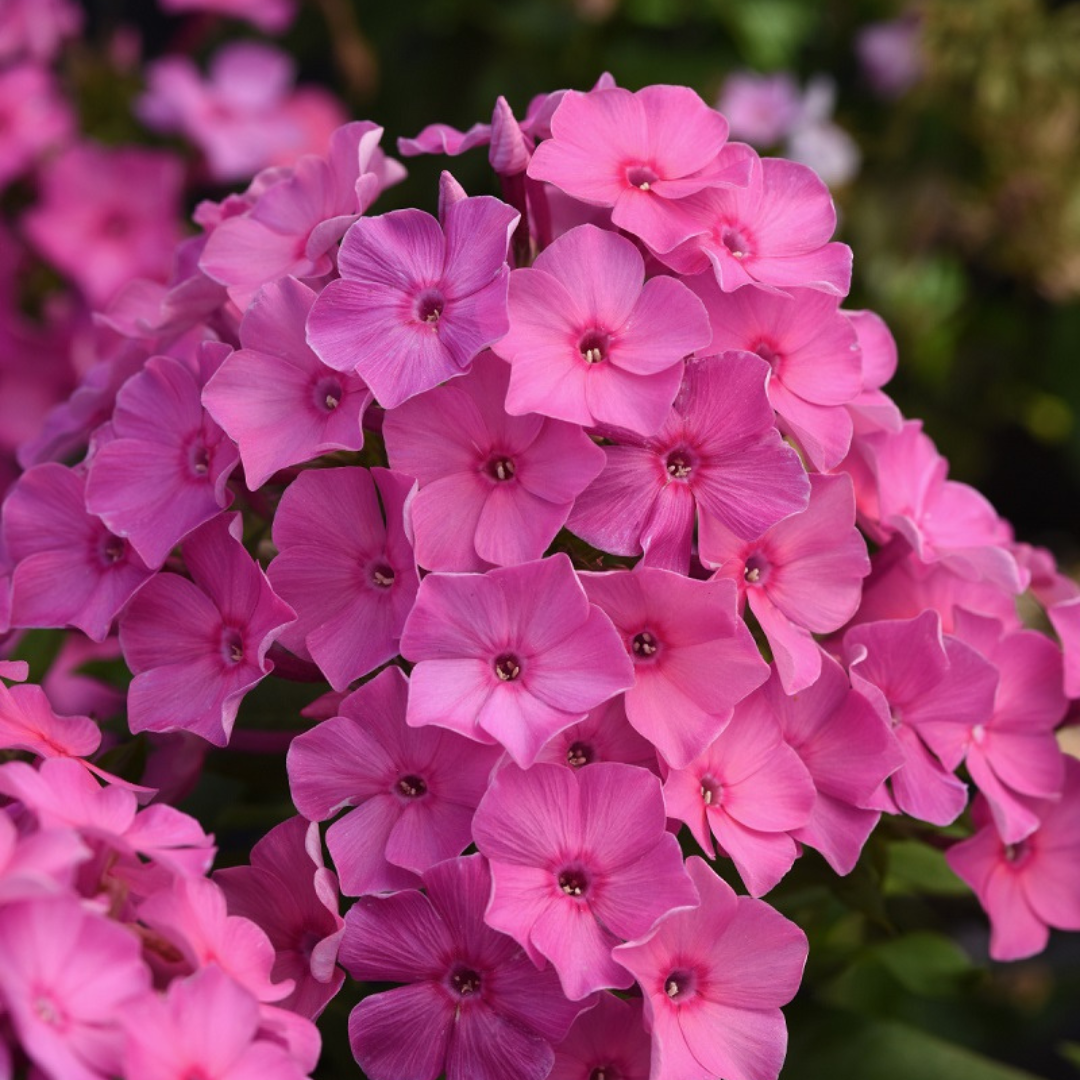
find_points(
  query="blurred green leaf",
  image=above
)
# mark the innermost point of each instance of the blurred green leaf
(924, 963)
(916, 868)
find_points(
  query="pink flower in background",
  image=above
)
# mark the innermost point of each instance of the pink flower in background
(417, 300)
(270, 16)
(35, 29)
(413, 791)
(33, 118)
(592, 342)
(1027, 887)
(512, 656)
(713, 979)
(761, 109)
(580, 860)
(106, 215)
(494, 489)
(473, 1005)
(246, 115)
(890, 55)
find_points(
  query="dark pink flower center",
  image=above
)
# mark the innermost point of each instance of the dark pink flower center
(578, 754)
(1017, 854)
(116, 225)
(711, 790)
(111, 549)
(756, 571)
(507, 667)
(641, 176)
(465, 981)
(198, 460)
(500, 468)
(680, 985)
(47, 1010)
(768, 352)
(573, 881)
(232, 645)
(644, 645)
(412, 787)
(382, 576)
(429, 307)
(679, 463)
(594, 345)
(736, 241)
(327, 394)
(605, 1072)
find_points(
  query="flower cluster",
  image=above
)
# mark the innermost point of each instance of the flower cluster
(585, 510)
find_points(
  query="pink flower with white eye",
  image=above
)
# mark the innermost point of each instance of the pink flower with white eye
(350, 575)
(512, 656)
(718, 453)
(812, 352)
(473, 1006)
(750, 790)
(713, 979)
(494, 489)
(679, 632)
(412, 791)
(275, 398)
(589, 342)
(1032, 885)
(636, 153)
(580, 860)
(802, 577)
(416, 300)
(773, 232)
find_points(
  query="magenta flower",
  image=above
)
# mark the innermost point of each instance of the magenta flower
(27, 722)
(288, 892)
(196, 647)
(416, 302)
(414, 792)
(474, 1007)
(679, 633)
(1027, 887)
(635, 153)
(589, 343)
(511, 656)
(349, 574)
(713, 979)
(718, 453)
(580, 860)
(70, 570)
(275, 398)
(802, 577)
(165, 470)
(33, 118)
(493, 488)
(750, 790)
(604, 735)
(1065, 618)
(270, 16)
(607, 1041)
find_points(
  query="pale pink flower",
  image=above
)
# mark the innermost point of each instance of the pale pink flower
(761, 109)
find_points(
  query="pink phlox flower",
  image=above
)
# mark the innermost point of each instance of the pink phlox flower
(165, 469)
(590, 343)
(416, 300)
(890, 54)
(275, 398)
(718, 453)
(750, 790)
(1065, 618)
(494, 489)
(812, 352)
(413, 792)
(288, 891)
(35, 29)
(873, 409)
(14, 670)
(1014, 757)
(636, 153)
(512, 656)
(934, 691)
(713, 979)
(270, 16)
(196, 647)
(27, 722)
(581, 859)
(604, 735)
(246, 115)
(107, 215)
(33, 118)
(1029, 886)
(1047, 583)
(774, 231)
(848, 751)
(349, 574)
(69, 568)
(207, 1026)
(191, 914)
(37, 863)
(297, 215)
(941, 519)
(75, 691)
(609, 1041)
(760, 109)
(67, 975)
(474, 1005)
(679, 632)
(803, 576)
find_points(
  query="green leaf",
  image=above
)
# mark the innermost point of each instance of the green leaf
(916, 868)
(924, 963)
